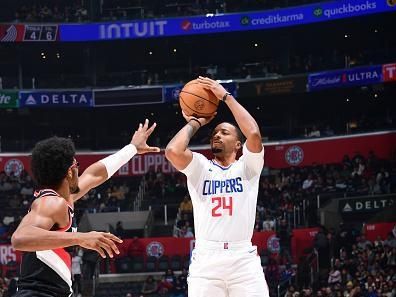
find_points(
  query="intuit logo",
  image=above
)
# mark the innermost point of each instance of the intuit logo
(187, 25)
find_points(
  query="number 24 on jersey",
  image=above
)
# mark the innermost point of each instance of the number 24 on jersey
(221, 206)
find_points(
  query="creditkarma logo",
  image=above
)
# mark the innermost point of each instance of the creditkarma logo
(345, 9)
(188, 25)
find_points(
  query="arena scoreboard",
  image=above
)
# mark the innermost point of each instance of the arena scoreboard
(28, 32)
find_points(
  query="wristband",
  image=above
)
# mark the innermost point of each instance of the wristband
(225, 96)
(194, 119)
(116, 160)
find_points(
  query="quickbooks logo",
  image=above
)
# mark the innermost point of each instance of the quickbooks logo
(318, 12)
(245, 20)
(347, 9)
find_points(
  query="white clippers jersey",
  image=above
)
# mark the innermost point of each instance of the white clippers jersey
(224, 198)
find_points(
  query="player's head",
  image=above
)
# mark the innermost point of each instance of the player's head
(53, 161)
(226, 138)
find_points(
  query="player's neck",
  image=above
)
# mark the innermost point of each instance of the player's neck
(224, 161)
(63, 190)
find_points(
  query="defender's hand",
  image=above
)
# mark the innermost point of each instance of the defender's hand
(100, 242)
(140, 137)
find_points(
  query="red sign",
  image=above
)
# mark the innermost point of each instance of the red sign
(277, 155)
(302, 239)
(389, 72)
(372, 231)
(12, 32)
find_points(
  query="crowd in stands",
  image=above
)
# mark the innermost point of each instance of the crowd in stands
(81, 11)
(350, 266)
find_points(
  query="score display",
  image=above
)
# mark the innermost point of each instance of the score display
(40, 32)
(28, 33)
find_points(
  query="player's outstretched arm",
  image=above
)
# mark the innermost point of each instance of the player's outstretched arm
(246, 122)
(99, 172)
(33, 233)
(176, 151)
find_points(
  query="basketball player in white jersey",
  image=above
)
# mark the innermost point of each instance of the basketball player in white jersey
(224, 194)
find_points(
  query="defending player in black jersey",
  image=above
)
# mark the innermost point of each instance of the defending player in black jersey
(44, 231)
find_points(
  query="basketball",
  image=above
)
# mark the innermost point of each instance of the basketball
(196, 101)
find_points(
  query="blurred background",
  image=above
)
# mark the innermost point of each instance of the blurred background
(319, 78)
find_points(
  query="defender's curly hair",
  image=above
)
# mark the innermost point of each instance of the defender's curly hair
(51, 158)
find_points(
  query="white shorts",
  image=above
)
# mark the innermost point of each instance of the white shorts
(220, 269)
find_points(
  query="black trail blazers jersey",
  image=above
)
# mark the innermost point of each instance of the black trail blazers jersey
(48, 271)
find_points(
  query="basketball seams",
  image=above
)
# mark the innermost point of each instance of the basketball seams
(198, 112)
(199, 97)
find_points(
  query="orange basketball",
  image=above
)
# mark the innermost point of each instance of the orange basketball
(196, 101)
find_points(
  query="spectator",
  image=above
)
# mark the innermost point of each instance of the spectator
(186, 205)
(119, 231)
(76, 271)
(334, 276)
(150, 286)
(363, 243)
(167, 283)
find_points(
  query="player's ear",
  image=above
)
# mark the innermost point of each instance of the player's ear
(69, 173)
(238, 145)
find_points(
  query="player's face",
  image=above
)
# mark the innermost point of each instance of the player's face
(224, 139)
(73, 183)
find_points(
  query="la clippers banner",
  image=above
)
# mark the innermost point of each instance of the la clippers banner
(345, 78)
(52, 98)
(171, 246)
(389, 72)
(277, 154)
(372, 231)
(212, 23)
(329, 150)
(9, 254)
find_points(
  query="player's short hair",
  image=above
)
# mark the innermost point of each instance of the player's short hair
(240, 135)
(51, 158)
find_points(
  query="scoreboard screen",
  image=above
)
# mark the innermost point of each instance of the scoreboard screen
(28, 33)
(40, 32)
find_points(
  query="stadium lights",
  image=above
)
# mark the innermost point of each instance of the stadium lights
(255, 45)
(347, 100)
(174, 50)
(346, 35)
(150, 52)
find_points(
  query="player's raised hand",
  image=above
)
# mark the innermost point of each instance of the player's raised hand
(217, 89)
(140, 137)
(202, 121)
(101, 242)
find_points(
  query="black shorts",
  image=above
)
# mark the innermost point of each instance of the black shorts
(32, 293)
